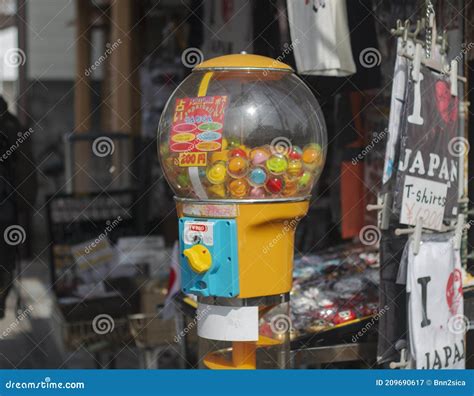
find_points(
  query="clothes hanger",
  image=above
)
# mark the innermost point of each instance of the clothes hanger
(433, 44)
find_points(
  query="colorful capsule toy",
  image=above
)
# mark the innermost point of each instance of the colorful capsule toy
(202, 172)
(295, 168)
(216, 173)
(183, 180)
(304, 181)
(220, 156)
(257, 192)
(277, 164)
(217, 190)
(233, 142)
(258, 156)
(274, 185)
(225, 144)
(257, 177)
(238, 152)
(237, 167)
(295, 153)
(291, 187)
(312, 156)
(238, 188)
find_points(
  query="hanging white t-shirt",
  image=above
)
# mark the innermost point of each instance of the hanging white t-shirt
(435, 306)
(397, 99)
(320, 37)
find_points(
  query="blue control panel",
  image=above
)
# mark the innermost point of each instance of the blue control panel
(217, 275)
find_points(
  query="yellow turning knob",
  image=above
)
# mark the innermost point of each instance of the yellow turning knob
(199, 258)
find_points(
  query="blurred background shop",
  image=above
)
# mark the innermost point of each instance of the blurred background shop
(88, 258)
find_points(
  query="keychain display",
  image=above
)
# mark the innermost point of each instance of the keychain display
(333, 289)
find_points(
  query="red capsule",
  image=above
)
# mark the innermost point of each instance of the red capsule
(237, 152)
(274, 185)
(295, 153)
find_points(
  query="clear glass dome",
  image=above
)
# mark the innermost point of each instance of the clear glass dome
(242, 134)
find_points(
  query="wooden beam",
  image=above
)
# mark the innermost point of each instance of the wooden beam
(82, 98)
(125, 100)
(82, 95)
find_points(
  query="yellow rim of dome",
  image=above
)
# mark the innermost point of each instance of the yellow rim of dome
(243, 61)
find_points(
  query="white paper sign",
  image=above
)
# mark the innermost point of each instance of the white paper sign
(227, 323)
(423, 198)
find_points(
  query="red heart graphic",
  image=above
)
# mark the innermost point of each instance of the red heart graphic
(447, 105)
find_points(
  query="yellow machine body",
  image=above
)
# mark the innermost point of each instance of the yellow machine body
(265, 236)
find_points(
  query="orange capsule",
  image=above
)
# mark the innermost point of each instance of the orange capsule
(237, 167)
(291, 188)
(238, 188)
(312, 156)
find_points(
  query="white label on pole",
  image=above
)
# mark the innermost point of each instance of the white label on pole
(198, 231)
(423, 198)
(227, 323)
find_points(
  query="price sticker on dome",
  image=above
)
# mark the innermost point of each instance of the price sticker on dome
(197, 127)
(192, 159)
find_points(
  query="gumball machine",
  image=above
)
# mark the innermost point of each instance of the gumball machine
(242, 141)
